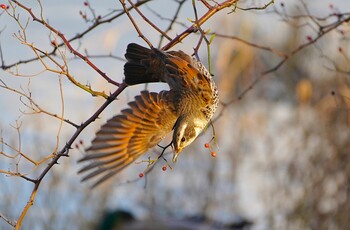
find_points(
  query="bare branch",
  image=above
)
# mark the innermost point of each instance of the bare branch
(134, 24)
(12, 223)
(199, 22)
(148, 21)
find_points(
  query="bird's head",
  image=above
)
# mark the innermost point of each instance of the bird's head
(186, 130)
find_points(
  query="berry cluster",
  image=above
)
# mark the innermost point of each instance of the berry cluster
(164, 168)
(207, 146)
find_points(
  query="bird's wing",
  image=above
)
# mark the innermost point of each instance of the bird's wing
(182, 71)
(127, 136)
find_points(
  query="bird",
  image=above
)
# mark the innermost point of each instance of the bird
(186, 109)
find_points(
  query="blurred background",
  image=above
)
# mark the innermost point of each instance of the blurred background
(282, 151)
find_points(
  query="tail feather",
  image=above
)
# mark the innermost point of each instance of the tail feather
(135, 52)
(138, 74)
(142, 67)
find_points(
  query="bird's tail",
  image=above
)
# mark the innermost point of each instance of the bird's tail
(142, 65)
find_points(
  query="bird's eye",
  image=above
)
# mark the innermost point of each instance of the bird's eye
(183, 139)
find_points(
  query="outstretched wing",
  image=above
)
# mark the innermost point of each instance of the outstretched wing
(127, 136)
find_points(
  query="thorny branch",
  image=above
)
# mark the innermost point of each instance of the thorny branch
(40, 55)
(110, 17)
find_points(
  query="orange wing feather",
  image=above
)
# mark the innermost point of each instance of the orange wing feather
(126, 137)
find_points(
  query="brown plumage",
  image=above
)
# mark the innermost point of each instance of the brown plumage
(187, 108)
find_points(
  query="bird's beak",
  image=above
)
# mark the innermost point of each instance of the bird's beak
(175, 157)
(176, 154)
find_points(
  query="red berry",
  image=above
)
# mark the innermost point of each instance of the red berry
(309, 38)
(213, 154)
(206, 145)
(141, 175)
(76, 146)
(3, 6)
(340, 49)
(164, 168)
(81, 142)
(86, 3)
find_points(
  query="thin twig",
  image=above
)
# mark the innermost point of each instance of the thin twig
(200, 21)
(172, 20)
(148, 21)
(267, 48)
(257, 7)
(38, 108)
(134, 24)
(12, 223)
(206, 4)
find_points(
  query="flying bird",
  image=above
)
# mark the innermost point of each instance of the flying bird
(186, 108)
